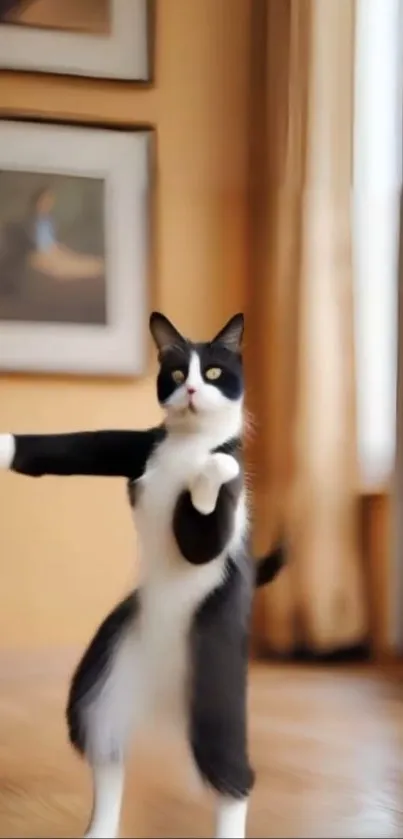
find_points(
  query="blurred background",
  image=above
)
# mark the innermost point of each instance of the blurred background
(276, 189)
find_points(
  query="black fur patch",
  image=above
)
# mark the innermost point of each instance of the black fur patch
(94, 665)
(107, 453)
(219, 659)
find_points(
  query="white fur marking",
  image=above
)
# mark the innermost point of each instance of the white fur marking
(194, 378)
(108, 781)
(231, 818)
(219, 469)
(7, 450)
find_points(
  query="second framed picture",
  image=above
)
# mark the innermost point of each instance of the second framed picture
(101, 38)
(74, 238)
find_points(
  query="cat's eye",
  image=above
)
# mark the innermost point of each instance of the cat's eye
(213, 373)
(178, 376)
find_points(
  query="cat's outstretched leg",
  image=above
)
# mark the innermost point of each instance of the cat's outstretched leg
(104, 704)
(231, 815)
(116, 453)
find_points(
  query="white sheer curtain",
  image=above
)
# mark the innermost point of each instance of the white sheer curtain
(377, 183)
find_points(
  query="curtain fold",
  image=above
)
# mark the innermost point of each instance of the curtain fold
(301, 364)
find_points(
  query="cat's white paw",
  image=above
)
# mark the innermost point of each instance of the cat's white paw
(222, 467)
(7, 450)
(219, 469)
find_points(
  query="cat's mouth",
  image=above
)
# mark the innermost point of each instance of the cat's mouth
(191, 406)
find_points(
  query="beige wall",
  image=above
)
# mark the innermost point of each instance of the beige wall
(67, 545)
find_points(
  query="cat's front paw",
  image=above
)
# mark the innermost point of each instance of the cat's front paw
(219, 469)
(7, 450)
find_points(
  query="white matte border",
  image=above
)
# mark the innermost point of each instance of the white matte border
(122, 159)
(123, 54)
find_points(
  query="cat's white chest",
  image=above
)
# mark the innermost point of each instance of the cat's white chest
(172, 588)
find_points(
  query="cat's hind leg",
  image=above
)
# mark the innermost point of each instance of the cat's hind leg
(103, 706)
(108, 785)
(218, 698)
(231, 814)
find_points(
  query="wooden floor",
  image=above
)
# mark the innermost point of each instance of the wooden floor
(327, 744)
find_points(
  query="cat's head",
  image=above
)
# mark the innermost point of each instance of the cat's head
(200, 385)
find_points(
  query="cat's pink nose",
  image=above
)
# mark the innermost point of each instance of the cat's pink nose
(191, 390)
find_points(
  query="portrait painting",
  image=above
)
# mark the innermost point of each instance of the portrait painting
(74, 241)
(100, 38)
(52, 248)
(90, 16)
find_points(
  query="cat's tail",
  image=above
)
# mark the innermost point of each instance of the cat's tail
(267, 567)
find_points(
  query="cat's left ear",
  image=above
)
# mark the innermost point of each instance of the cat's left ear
(230, 336)
(165, 335)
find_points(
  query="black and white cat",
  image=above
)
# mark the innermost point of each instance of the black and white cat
(176, 650)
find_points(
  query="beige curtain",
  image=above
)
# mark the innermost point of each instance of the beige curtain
(301, 363)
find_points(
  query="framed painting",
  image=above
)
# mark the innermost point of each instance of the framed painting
(101, 38)
(73, 249)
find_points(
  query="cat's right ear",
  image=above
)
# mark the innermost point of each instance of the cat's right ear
(165, 335)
